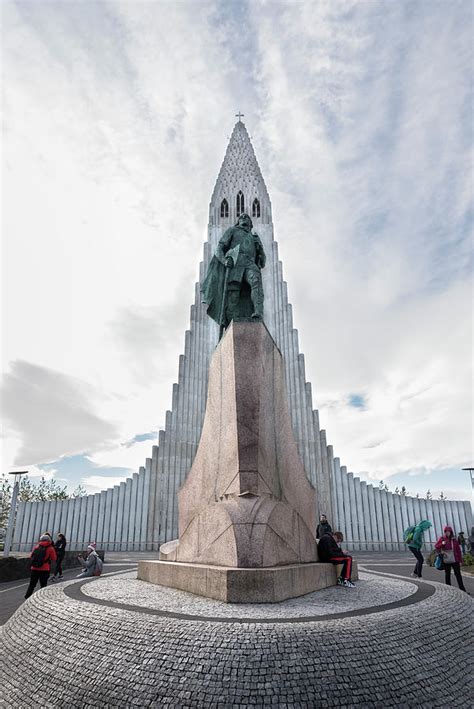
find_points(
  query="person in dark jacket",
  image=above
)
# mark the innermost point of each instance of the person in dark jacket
(449, 547)
(41, 557)
(330, 551)
(323, 527)
(60, 548)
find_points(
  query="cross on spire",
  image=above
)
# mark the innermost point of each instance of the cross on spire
(239, 116)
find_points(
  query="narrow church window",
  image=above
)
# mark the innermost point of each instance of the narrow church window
(224, 208)
(240, 203)
(256, 208)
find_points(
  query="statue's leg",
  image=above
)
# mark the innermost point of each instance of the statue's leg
(233, 297)
(254, 279)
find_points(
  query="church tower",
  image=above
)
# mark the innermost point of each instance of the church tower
(141, 513)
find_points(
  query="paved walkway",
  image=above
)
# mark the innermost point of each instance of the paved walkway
(12, 593)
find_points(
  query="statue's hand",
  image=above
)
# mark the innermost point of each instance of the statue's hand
(229, 262)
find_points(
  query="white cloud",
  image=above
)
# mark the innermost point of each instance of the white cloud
(117, 116)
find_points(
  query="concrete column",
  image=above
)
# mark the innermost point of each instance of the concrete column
(44, 516)
(393, 545)
(127, 492)
(373, 518)
(353, 510)
(155, 506)
(120, 517)
(130, 541)
(366, 513)
(347, 531)
(113, 518)
(385, 518)
(437, 521)
(325, 495)
(360, 513)
(24, 541)
(147, 541)
(456, 516)
(82, 539)
(87, 536)
(399, 523)
(75, 523)
(311, 446)
(20, 513)
(378, 519)
(141, 513)
(319, 464)
(338, 495)
(109, 497)
(57, 517)
(174, 474)
(411, 510)
(404, 510)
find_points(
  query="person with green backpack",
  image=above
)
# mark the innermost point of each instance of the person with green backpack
(413, 537)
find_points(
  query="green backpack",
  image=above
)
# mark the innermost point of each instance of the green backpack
(408, 535)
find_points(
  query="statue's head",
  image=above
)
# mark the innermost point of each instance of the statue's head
(244, 221)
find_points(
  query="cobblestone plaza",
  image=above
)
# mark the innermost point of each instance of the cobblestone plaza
(122, 643)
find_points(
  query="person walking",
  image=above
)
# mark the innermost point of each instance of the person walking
(323, 527)
(414, 541)
(330, 551)
(92, 565)
(41, 557)
(449, 547)
(462, 542)
(60, 548)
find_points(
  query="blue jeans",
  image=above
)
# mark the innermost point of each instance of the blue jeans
(419, 560)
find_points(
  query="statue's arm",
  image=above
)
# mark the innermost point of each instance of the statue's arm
(261, 258)
(224, 245)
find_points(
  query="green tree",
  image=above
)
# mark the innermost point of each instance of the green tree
(32, 492)
(429, 496)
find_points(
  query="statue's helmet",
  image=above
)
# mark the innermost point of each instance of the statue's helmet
(244, 219)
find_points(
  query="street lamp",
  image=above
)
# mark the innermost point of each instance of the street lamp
(11, 520)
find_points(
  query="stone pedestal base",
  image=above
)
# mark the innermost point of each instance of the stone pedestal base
(233, 585)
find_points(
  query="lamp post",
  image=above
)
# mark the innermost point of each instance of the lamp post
(11, 520)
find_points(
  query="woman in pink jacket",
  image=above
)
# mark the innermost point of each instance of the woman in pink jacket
(449, 547)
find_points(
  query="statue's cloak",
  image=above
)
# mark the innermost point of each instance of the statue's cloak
(212, 288)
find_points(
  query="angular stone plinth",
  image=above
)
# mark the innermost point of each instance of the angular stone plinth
(232, 585)
(247, 501)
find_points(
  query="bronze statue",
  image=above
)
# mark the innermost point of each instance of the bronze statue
(233, 288)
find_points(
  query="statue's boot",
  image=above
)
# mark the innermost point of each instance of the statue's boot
(256, 294)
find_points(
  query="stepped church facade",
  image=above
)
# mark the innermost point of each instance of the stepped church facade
(141, 513)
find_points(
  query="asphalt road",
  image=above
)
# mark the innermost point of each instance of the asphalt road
(399, 563)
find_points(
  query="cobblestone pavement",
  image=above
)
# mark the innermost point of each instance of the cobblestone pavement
(110, 657)
(369, 591)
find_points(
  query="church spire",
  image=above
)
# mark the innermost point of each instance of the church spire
(240, 186)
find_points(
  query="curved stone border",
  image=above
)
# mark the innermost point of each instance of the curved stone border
(423, 592)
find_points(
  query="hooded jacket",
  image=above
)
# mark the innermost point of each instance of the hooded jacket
(50, 556)
(421, 527)
(446, 543)
(328, 548)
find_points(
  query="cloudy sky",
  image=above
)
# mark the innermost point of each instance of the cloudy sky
(116, 120)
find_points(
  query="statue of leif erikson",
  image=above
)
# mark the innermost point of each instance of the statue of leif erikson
(233, 288)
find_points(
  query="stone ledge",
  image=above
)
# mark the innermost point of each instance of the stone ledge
(232, 585)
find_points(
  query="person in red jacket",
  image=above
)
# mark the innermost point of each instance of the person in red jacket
(449, 547)
(41, 557)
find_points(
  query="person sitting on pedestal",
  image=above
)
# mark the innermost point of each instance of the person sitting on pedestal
(329, 551)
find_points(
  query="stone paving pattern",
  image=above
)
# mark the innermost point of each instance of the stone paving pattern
(369, 591)
(60, 652)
